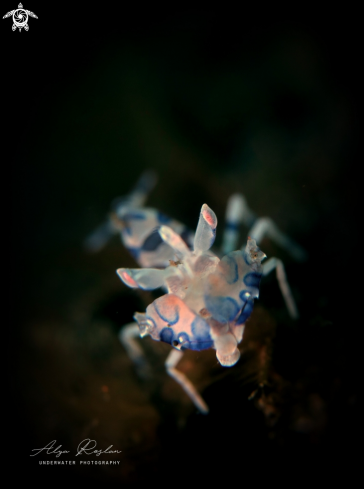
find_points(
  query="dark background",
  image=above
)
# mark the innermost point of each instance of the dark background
(215, 103)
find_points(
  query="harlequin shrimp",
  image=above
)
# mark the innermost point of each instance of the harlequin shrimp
(138, 227)
(207, 299)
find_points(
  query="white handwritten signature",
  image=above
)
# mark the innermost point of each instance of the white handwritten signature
(86, 446)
